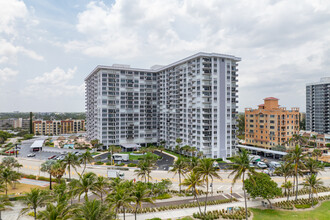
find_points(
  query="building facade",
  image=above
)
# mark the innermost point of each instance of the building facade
(270, 125)
(12, 123)
(194, 99)
(318, 106)
(58, 127)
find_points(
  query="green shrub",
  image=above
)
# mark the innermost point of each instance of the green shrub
(108, 163)
(99, 163)
(164, 196)
(131, 165)
(154, 219)
(120, 164)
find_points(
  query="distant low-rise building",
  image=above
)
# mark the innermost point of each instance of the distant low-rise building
(57, 127)
(270, 125)
(12, 123)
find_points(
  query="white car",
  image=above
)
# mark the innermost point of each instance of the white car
(261, 165)
(274, 164)
(31, 155)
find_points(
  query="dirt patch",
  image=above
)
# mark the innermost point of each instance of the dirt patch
(21, 188)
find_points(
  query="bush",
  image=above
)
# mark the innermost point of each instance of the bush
(154, 219)
(108, 163)
(120, 164)
(219, 159)
(163, 196)
(131, 165)
(305, 206)
(99, 163)
(27, 136)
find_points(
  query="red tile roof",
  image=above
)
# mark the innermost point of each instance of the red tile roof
(271, 98)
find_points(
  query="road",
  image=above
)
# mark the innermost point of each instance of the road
(31, 166)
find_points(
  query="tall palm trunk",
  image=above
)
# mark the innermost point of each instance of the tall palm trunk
(296, 186)
(50, 181)
(312, 200)
(69, 173)
(84, 168)
(285, 184)
(246, 213)
(124, 213)
(35, 213)
(288, 194)
(207, 193)
(199, 205)
(179, 182)
(135, 212)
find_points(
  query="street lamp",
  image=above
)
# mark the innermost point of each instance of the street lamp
(16, 150)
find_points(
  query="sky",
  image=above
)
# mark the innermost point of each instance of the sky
(48, 47)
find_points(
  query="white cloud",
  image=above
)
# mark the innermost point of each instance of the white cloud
(54, 84)
(11, 11)
(283, 44)
(7, 74)
(9, 52)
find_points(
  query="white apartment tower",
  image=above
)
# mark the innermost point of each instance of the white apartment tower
(194, 99)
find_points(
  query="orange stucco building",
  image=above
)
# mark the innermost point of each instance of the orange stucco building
(270, 125)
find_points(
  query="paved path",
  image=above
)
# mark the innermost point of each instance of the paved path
(34, 182)
(178, 213)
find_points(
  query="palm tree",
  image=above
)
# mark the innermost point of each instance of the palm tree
(286, 169)
(317, 153)
(313, 183)
(193, 151)
(34, 199)
(177, 149)
(47, 167)
(192, 163)
(297, 139)
(95, 143)
(92, 210)
(60, 211)
(71, 160)
(141, 194)
(4, 202)
(287, 186)
(296, 157)
(192, 181)
(313, 166)
(206, 170)
(179, 167)
(57, 170)
(120, 198)
(85, 158)
(8, 176)
(101, 186)
(10, 162)
(113, 149)
(145, 166)
(241, 167)
(85, 184)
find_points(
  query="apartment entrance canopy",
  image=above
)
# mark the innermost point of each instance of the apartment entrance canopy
(130, 147)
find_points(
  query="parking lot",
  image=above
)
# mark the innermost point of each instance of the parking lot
(46, 151)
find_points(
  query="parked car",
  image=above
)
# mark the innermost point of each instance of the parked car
(64, 153)
(52, 157)
(261, 165)
(31, 155)
(274, 164)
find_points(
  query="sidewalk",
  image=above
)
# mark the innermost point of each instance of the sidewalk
(178, 213)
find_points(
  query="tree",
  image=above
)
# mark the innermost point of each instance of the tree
(94, 143)
(8, 176)
(92, 210)
(85, 158)
(313, 166)
(287, 186)
(261, 185)
(143, 171)
(58, 211)
(317, 153)
(297, 139)
(4, 202)
(34, 199)
(71, 160)
(57, 170)
(241, 168)
(279, 148)
(285, 170)
(113, 149)
(10, 162)
(85, 184)
(47, 167)
(241, 124)
(179, 167)
(192, 181)
(313, 184)
(296, 157)
(101, 186)
(141, 194)
(120, 198)
(206, 170)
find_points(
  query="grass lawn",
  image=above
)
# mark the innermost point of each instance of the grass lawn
(320, 213)
(22, 188)
(137, 157)
(95, 153)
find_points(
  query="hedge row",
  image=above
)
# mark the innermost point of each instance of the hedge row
(216, 214)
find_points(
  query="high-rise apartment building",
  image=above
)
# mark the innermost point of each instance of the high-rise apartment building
(194, 99)
(57, 127)
(270, 125)
(318, 106)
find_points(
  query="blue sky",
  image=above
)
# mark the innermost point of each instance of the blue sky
(47, 48)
